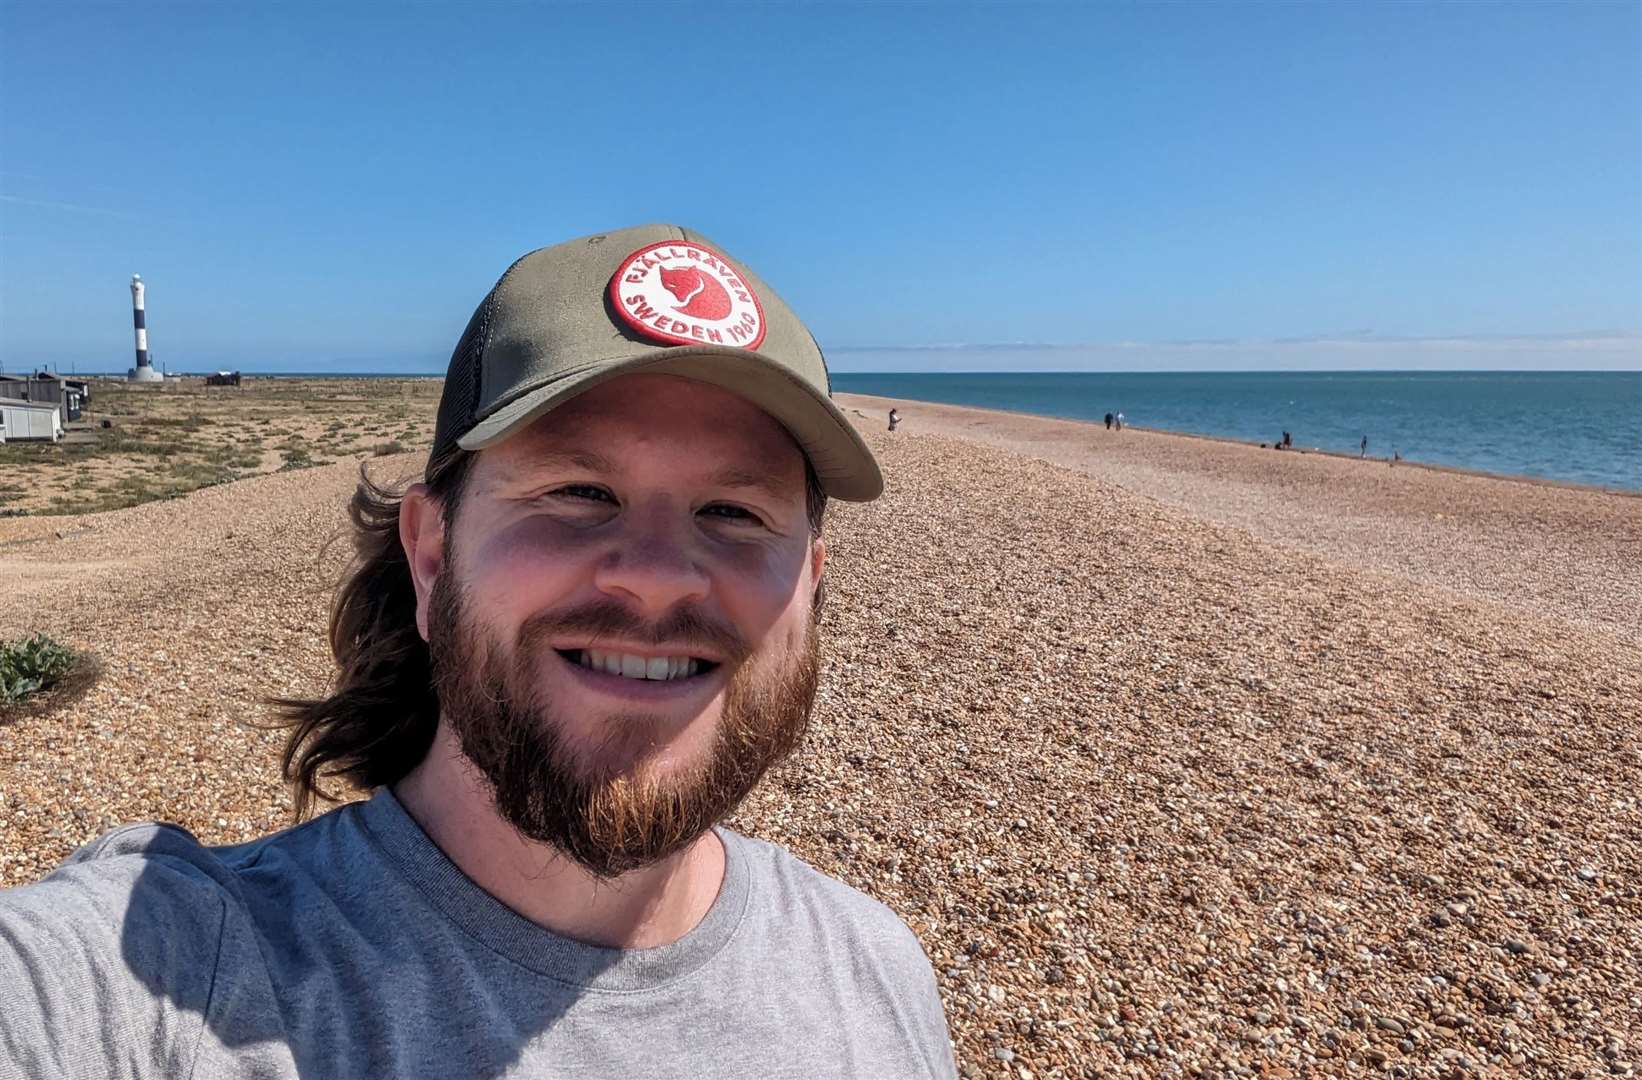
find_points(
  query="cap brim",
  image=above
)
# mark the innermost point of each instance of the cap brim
(842, 462)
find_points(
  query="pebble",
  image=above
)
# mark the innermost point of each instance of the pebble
(1324, 711)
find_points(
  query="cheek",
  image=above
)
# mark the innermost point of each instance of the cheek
(524, 568)
(767, 592)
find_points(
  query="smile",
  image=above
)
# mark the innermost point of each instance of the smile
(631, 666)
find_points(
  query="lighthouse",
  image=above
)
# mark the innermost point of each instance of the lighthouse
(144, 371)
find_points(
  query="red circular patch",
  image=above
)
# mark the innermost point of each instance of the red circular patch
(686, 294)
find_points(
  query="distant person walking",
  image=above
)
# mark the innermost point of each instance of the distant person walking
(1288, 441)
(894, 418)
(1108, 421)
(1363, 452)
(1119, 419)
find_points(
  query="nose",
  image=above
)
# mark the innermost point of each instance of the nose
(652, 566)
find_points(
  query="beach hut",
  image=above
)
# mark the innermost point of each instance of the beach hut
(21, 420)
(67, 394)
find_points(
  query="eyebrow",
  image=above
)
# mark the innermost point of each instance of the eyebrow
(559, 459)
(741, 478)
(730, 477)
(581, 459)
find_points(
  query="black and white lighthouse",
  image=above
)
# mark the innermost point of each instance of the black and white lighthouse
(144, 371)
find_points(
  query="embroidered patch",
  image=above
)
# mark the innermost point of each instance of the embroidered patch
(686, 294)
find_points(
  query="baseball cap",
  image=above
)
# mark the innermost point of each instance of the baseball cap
(658, 299)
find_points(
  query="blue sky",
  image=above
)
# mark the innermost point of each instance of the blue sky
(334, 187)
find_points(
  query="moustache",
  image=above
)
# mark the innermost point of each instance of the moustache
(687, 627)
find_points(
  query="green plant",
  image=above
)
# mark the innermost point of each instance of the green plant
(31, 664)
(383, 449)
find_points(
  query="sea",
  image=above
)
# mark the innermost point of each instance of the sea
(1584, 427)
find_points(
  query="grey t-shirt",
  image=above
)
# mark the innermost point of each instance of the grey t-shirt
(350, 946)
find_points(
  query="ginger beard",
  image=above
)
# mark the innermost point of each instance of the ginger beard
(605, 806)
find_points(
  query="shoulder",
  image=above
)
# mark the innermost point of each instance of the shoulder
(830, 935)
(152, 872)
(148, 883)
(793, 891)
(150, 897)
(113, 956)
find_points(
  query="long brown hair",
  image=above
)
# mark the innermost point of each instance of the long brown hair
(382, 712)
(379, 720)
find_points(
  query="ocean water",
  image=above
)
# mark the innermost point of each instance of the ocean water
(1584, 427)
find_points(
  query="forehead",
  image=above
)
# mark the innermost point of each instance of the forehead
(634, 419)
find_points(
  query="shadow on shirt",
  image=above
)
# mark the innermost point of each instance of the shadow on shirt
(318, 952)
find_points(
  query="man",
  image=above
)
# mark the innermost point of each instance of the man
(894, 419)
(563, 659)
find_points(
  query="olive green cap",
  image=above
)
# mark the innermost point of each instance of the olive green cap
(657, 299)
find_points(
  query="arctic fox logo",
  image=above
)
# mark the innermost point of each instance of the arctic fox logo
(684, 293)
(699, 295)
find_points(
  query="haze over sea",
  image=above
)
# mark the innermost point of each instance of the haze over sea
(1584, 427)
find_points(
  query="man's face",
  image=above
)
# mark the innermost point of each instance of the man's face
(622, 630)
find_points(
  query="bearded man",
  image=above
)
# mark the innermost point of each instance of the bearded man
(564, 658)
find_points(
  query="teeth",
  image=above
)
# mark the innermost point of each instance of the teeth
(657, 668)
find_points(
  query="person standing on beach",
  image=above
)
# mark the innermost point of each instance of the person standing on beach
(1119, 420)
(894, 419)
(1108, 421)
(563, 659)
(1363, 452)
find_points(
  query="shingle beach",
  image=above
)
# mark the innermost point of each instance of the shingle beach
(1181, 757)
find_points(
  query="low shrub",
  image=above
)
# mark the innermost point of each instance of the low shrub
(29, 665)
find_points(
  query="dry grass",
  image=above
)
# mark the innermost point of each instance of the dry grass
(168, 440)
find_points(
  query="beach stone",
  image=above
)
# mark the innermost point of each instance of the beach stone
(1340, 681)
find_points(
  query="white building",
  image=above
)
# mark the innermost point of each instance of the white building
(21, 420)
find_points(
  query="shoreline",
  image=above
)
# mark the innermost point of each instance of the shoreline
(1565, 551)
(1459, 470)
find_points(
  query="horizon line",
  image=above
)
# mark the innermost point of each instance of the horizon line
(1363, 337)
(412, 374)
